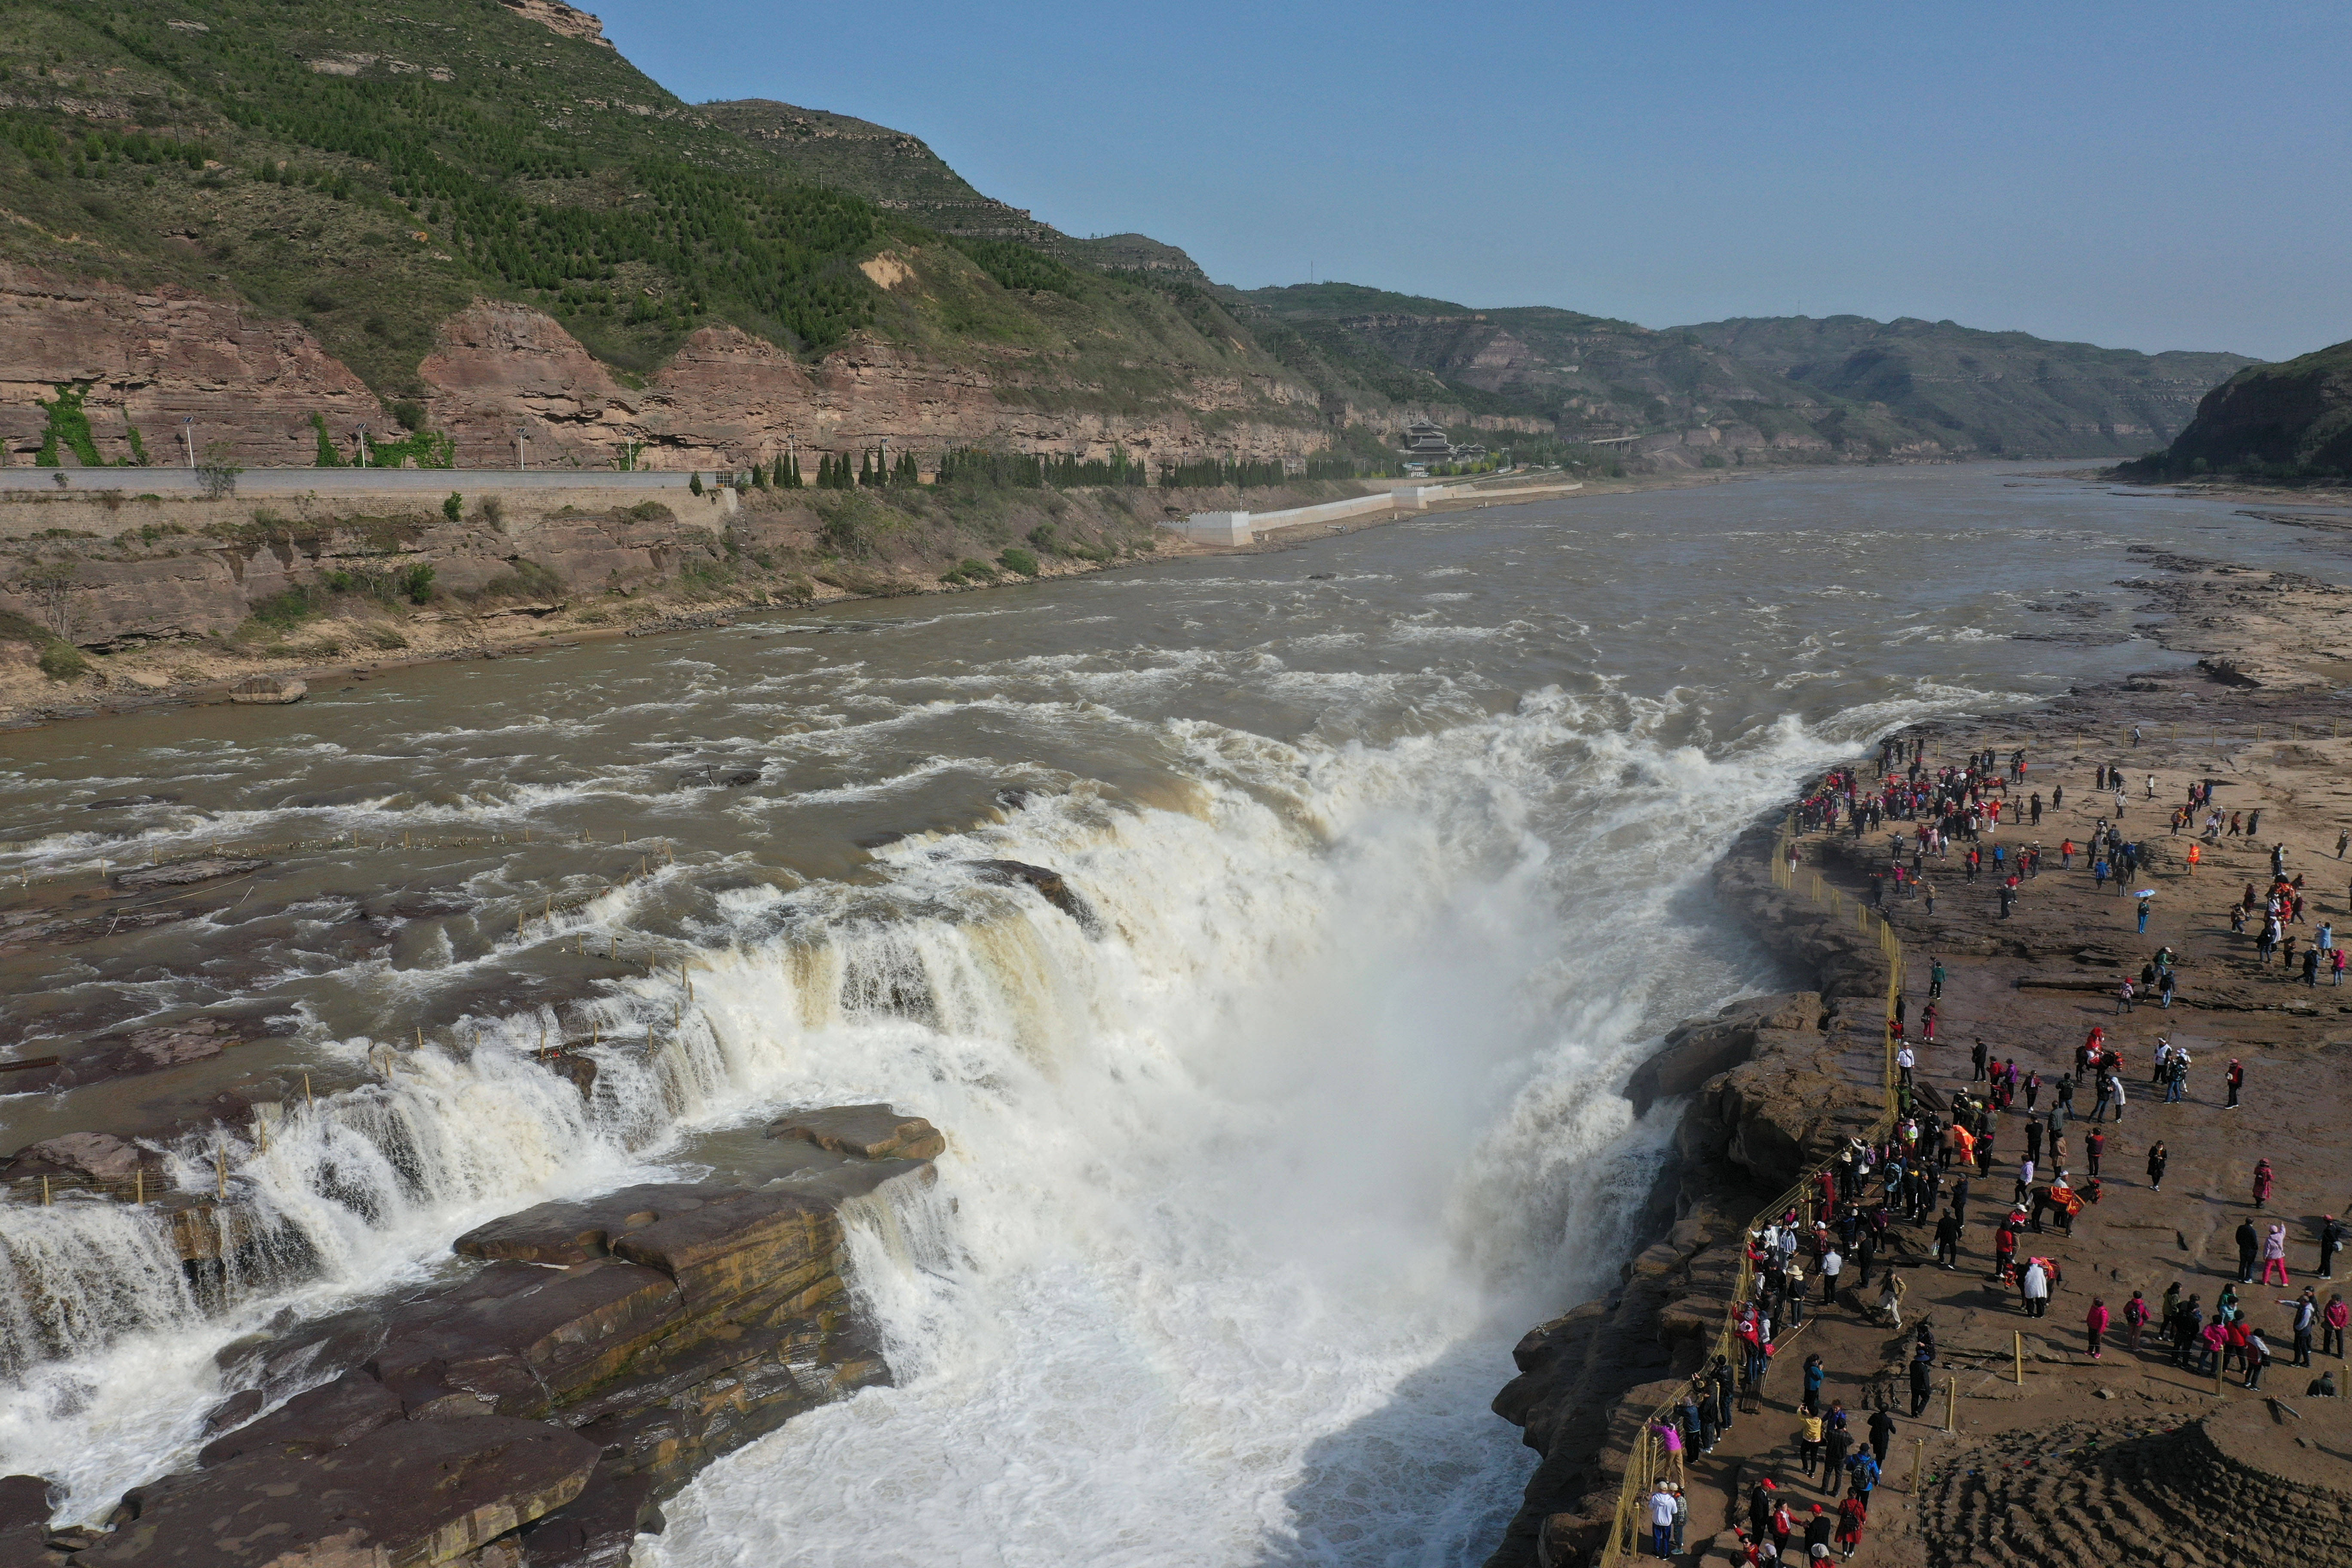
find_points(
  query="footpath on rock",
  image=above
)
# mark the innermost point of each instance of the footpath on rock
(2026, 1447)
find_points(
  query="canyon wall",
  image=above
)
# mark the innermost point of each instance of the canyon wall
(154, 358)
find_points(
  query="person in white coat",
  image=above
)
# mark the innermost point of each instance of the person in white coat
(2035, 1287)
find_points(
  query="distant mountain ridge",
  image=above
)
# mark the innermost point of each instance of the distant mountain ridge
(1793, 387)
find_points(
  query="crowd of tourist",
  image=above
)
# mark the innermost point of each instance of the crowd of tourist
(1877, 1201)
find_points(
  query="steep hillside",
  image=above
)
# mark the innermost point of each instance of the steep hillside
(2288, 421)
(481, 214)
(895, 172)
(2005, 393)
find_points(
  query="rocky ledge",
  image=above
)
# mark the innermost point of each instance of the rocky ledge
(1767, 1100)
(536, 1410)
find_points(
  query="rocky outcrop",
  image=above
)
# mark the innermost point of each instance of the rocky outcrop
(538, 1409)
(1775, 1084)
(557, 17)
(726, 398)
(2294, 417)
(200, 567)
(156, 357)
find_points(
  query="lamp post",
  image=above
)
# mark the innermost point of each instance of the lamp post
(188, 435)
(363, 446)
(520, 435)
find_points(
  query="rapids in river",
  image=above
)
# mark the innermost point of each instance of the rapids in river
(1389, 854)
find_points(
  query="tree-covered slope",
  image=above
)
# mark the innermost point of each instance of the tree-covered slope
(367, 172)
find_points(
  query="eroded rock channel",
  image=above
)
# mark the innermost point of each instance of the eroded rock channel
(538, 1408)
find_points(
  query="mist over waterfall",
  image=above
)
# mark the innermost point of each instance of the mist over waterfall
(1268, 1133)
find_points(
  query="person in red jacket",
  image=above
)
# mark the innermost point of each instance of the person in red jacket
(2095, 1321)
(1853, 1514)
(2136, 1316)
(2263, 1181)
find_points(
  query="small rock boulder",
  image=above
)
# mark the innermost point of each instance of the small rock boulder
(866, 1132)
(101, 1156)
(269, 689)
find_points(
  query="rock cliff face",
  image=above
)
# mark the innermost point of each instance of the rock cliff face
(208, 564)
(158, 357)
(538, 1410)
(154, 358)
(1769, 1098)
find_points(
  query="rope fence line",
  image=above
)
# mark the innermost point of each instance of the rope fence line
(1647, 1463)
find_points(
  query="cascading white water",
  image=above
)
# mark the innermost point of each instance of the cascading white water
(1309, 1000)
(1251, 1180)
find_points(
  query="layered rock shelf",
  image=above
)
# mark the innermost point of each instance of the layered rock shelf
(537, 1410)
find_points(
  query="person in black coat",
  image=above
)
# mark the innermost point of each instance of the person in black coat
(1882, 1434)
(1836, 1443)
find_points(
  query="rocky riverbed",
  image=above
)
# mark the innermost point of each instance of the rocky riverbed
(537, 1408)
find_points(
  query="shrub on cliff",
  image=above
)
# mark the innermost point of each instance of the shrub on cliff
(63, 661)
(1019, 560)
(454, 509)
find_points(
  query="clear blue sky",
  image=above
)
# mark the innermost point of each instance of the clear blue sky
(2154, 175)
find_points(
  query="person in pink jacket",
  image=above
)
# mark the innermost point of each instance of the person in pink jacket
(2332, 1318)
(2096, 1320)
(2275, 1254)
(2264, 1180)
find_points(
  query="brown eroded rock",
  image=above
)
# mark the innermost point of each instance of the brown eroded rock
(98, 1155)
(184, 873)
(268, 689)
(1697, 1049)
(164, 354)
(331, 1416)
(574, 1230)
(867, 1131)
(1051, 886)
(518, 1339)
(766, 1242)
(414, 1492)
(24, 1499)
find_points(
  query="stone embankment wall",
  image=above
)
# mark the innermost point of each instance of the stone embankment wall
(1769, 1099)
(538, 1410)
(151, 571)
